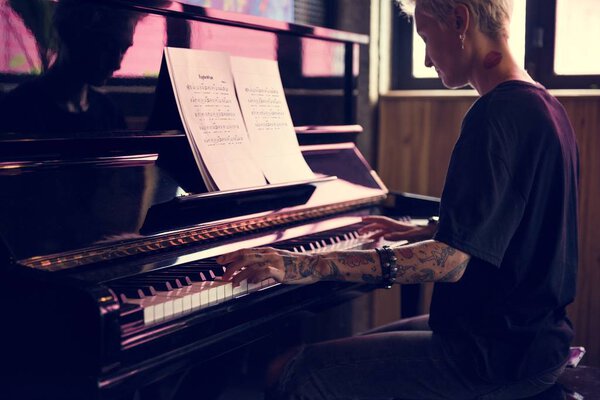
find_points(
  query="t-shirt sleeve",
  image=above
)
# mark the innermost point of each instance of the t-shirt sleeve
(481, 206)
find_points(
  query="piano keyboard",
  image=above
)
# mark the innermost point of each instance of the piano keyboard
(169, 293)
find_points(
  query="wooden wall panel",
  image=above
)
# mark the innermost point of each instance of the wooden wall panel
(417, 133)
(585, 311)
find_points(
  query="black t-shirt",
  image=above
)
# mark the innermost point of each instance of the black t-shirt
(510, 201)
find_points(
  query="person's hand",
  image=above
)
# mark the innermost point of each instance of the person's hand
(256, 265)
(391, 229)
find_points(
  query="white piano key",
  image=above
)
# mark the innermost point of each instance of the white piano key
(253, 287)
(212, 295)
(148, 314)
(209, 293)
(228, 286)
(154, 308)
(241, 289)
(191, 299)
(269, 282)
(167, 306)
(204, 298)
(181, 301)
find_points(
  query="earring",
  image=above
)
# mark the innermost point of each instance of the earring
(461, 37)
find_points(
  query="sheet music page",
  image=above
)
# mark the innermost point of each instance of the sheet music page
(268, 120)
(204, 89)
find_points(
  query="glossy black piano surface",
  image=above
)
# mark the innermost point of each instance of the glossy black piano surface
(116, 46)
(107, 234)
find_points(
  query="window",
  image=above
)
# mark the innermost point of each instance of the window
(577, 48)
(556, 39)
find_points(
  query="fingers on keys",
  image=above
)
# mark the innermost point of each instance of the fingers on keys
(252, 264)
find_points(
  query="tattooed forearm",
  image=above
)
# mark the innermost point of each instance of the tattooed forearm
(373, 279)
(404, 269)
(356, 259)
(430, 261)
(424, 275)
(419, 262)
(440, 257)
(290, 268)
(455, 274)
(329, 271)
(300, 269)
(310, 268)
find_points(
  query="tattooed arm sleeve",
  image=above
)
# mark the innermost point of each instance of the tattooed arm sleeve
(427, 261)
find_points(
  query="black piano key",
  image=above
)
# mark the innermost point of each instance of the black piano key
(130, 293)
(285, 246)
(152, 279)
(322, 239)
(162, 285)
(147, 290)
(183, 278)
(217, 269)
(194, 270)
(206, 261)
(209, 272)
(194, 276)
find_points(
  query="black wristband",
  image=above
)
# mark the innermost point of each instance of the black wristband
(389, 269)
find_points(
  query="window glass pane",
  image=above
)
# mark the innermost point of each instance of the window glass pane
(282, 10)
(577, 49)
(516, 42)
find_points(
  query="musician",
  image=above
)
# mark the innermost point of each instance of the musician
(503, 254)
(92, 42)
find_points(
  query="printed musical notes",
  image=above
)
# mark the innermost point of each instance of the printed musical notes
(211, 116)
(238, 141)
(272, 135)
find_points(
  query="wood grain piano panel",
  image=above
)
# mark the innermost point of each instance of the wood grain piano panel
(418, 131)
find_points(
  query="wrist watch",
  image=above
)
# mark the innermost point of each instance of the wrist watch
(433, 220)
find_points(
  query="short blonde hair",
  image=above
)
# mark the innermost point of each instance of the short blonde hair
(492, 16)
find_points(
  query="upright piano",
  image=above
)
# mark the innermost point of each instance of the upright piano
(108, 236)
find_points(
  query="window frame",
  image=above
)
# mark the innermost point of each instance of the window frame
(540, 33)
(402, 53)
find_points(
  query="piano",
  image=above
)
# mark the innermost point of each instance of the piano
(108, 236)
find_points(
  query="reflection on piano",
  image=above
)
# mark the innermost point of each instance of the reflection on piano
(108, 238)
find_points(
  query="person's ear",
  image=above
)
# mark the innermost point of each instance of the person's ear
(462, 18)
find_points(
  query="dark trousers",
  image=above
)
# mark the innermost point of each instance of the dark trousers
(404, 360)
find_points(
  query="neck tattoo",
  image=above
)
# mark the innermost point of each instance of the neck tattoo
(492, 59)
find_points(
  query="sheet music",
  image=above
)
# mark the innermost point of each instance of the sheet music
(268, 120)
(204, 89)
